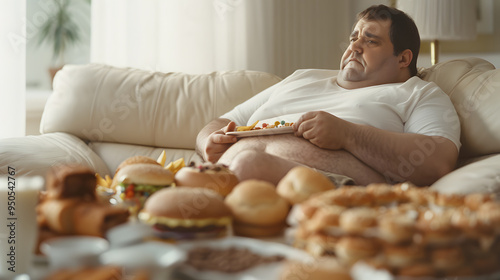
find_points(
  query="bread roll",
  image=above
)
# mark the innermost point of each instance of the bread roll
(301, 182)
(258, 210)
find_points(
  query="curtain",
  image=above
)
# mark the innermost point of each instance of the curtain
(193, 36)
(200, 36)
(12, 68)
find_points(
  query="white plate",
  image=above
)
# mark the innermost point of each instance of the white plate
(261, 132)
(264, 248)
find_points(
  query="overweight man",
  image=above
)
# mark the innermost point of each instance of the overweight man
(373, 121)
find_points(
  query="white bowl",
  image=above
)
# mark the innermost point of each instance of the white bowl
(74, 251)
(158, 258)
(128, 234)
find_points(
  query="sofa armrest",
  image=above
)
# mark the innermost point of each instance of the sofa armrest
(34, 155)
(481, 176)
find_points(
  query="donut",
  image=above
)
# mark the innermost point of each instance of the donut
(395, 229)
(212, 176)
(449, 200)
(437, 229)
(324, 217)
(350, 249)
(420, 269)
(475, 200)
(324, 268)
(357, 220)
(420, 195)
(401, 256)
(318, 244)
(383, 194)
(489, 215)
(447, 258)
(355, 196)
(466, 220)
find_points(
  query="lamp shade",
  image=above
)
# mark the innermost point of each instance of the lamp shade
(442, 19)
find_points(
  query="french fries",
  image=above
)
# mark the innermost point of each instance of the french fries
(248, 127)
(162, 158)
(176, 165)
(103, 182)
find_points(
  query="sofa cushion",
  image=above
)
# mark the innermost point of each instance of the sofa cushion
(113, 154)
(481, 176)
(473, 85)
(131, 106)
(34, 155)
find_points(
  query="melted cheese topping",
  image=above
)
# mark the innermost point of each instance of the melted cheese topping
(172, 222)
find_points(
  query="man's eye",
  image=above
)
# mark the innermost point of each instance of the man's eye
(352, 39)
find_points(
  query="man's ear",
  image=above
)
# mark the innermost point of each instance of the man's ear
(405, 58)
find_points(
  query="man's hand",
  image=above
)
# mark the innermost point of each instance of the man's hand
(217, 142)
(322, 129)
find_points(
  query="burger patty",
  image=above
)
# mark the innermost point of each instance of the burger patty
(208, 228)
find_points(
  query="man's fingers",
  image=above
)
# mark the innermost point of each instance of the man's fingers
(223, 139)
(231, 126)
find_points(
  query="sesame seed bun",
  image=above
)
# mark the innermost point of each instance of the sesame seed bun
(187, 213)
(136, 160)
(143, 174)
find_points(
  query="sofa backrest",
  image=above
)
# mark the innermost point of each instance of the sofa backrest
(473, 85)
(102, 103)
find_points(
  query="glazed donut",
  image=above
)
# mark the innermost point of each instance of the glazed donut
(318, 244)
(437, 229)
(449, 200)
(324, 268)
(421, 269)
(466, 220)
(447, 258)
(395, 229)
(475, 200)
(216, 177)
(489, 215)
(420, 195)
(354, 196)
(326, 216)
(357, 220)
(383, 194)
(401, 256)
(350, 249)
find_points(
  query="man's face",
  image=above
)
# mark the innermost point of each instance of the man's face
(369, 60)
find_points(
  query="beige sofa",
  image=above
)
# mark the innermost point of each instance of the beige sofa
(99, 115)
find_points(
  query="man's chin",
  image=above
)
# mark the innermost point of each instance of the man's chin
(350, 75)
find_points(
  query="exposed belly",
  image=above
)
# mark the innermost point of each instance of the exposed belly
(297, 149)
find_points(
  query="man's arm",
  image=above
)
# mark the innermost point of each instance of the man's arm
(417, 158)
(212, 141)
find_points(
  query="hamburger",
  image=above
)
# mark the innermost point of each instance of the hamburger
(257, 208)
(187, 213)
(136, 160)
(134, 183)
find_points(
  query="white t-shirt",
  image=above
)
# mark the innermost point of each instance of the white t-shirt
(415, 106)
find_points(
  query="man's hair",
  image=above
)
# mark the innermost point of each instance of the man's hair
(403, 33)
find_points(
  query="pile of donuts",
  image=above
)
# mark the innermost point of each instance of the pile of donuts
(407, 230)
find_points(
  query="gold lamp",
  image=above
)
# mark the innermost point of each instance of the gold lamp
(439, 20)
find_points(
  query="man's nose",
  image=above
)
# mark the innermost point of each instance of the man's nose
(356, 46)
